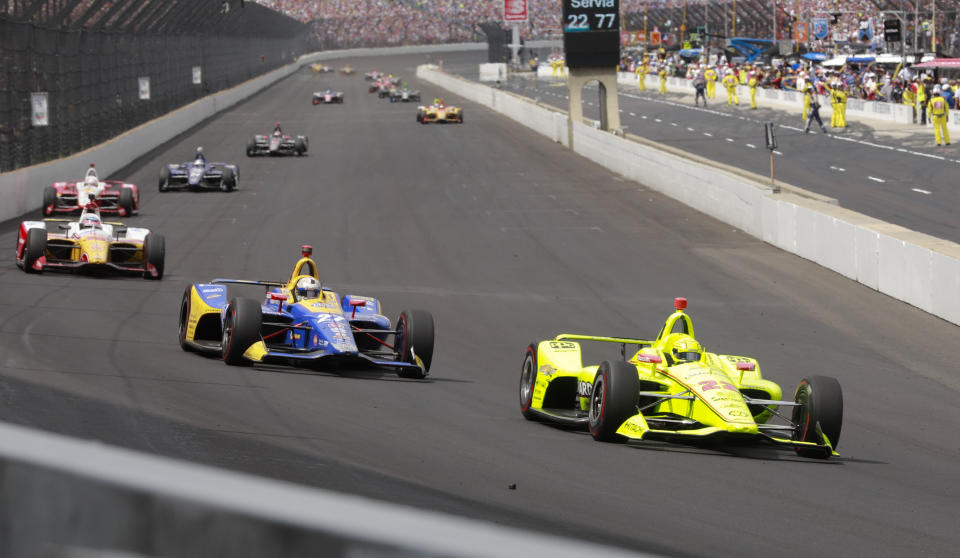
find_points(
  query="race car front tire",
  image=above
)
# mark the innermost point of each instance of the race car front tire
(414, 337)
(460, 120)
(154, 248)
(241, 328)
(300, 146)
(613, 400)
(49, 200)
(528, 381)
(820, 402)
(36, 247)
(251, 147)
(125, 201)
(184, 318)
(228, 181)
(164, 179)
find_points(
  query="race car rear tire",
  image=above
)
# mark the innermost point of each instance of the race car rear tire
(184, 317)
(316, 101)
(164, 179)
(241, 328)
(228, 181)
(528, 381)
(460, 120)
(300, 146)
(414, 337)
(125, 201)
(49, 200)
(35, 247)
(821, 402)
(154, 249)
(613, 400)
(251, 147)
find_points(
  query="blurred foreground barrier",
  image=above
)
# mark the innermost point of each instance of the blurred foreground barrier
(913, 267)
(65, 497)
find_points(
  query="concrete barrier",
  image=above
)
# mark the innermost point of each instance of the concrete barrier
(22, 190)
(913, 267)
(66, 497)
(788, 100)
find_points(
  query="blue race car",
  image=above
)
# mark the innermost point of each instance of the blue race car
(199, 175)
(300, 322)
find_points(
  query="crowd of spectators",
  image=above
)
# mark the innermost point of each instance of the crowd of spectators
(343, 23)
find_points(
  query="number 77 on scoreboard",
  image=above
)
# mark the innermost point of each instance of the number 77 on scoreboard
(591, 32)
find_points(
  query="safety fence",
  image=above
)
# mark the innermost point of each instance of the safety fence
(63, 90)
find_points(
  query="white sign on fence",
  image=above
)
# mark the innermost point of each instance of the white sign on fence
(197, 75)
(144, 89)
(38, 109)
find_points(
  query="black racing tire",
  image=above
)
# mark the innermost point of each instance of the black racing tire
(414, 331)
(316, 101)
(184, 316)
(164, 179)
(49, 200)
(228, 181)
(300, 146)
(419, 115)
(612, 400)
(125, 201)
(36, 246)
(241, 328)
(251, 147)
(154, 249)
(821, 401)
(461, 116)
(341, 100)
(528, 382)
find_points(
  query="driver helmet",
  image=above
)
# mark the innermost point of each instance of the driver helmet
(307, 287)
(200, 153)
(685, 349)
(90, 220)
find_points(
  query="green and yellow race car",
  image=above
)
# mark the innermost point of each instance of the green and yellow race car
(671, 389)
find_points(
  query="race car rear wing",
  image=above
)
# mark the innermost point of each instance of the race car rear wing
(623, 341)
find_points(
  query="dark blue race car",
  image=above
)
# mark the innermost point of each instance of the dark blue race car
(300, 322)
(199, 175)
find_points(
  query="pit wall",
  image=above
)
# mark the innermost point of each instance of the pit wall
(919, 269)
(21, 191)
(791, 100)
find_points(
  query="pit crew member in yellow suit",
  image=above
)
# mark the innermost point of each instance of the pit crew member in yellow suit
(939, 113)
(663, 79)
(753, 80)
(730, 83)
(711, 76)
(838, 100)
(642, 71)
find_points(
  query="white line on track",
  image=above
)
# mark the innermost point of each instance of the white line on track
(751, 146)
(841, 169)
(790, 128)
(775, 152)
(690, 129)
(658, 120)
(730, 140)
(875, 179)
(644, 116)
(673, 123)
(708, 134)
(634, 114)
(926, 192)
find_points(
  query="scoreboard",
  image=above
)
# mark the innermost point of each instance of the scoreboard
(591, 33)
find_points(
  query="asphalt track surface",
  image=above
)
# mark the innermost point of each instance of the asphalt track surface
(894, 173)
(507, 238)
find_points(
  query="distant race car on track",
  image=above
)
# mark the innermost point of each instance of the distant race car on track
(373, 76)
(327, 97)
(671, 389)
(302, 323)
(347, 70)
(199, 175)
(110, 195)
(319, 68)
(439, 112)
(277, 143)
(89, 244)
(404, 95)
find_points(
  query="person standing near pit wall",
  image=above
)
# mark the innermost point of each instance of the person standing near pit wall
(730, 83)
(663, 79)
(753, 79)
(711, 76)
(939, 113)
(814, 110)
(642, 70)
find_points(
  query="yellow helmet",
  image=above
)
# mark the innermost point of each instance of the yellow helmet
(683, 348)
